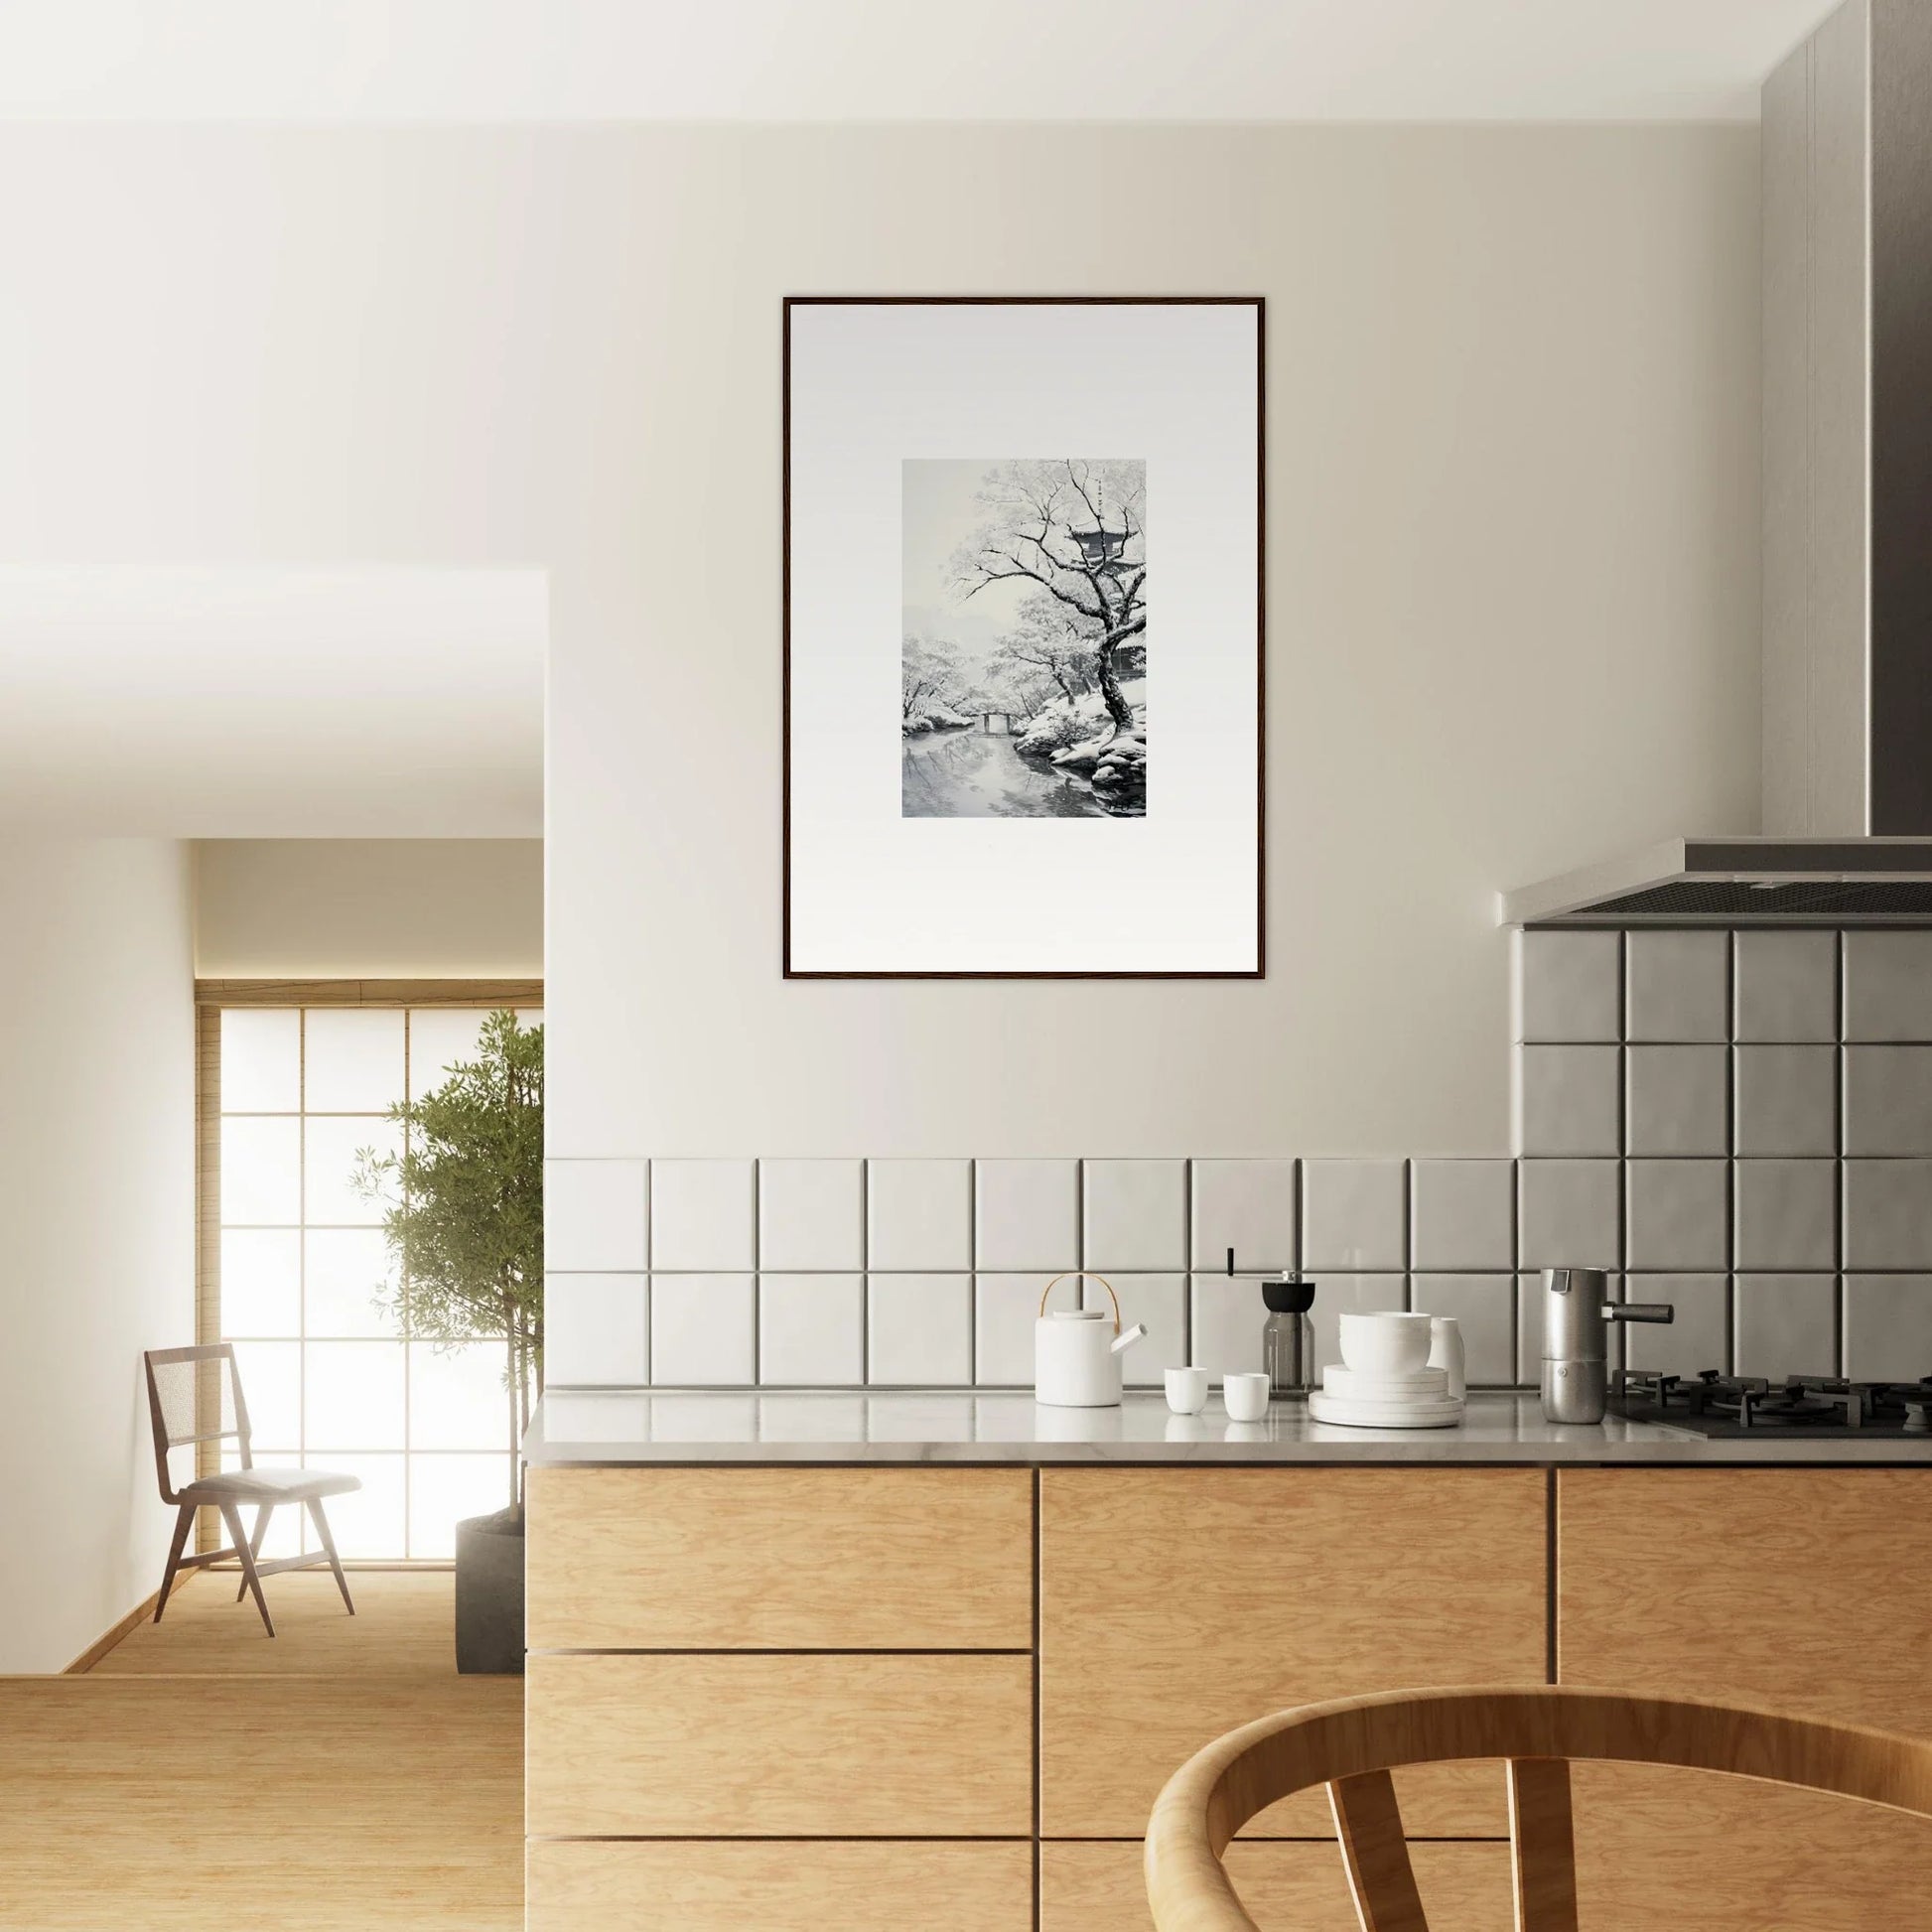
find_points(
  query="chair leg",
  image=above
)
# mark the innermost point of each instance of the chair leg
(184, 1522)
(263, 1511)
(232, 1515)
(329, 1544)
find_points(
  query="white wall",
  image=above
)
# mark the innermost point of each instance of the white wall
(97, 1201)
(368, 908)
(1512, 543)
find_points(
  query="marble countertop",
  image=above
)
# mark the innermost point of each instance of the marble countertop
(966, 1426)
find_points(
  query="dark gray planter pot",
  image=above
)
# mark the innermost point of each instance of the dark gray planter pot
(489, 1593)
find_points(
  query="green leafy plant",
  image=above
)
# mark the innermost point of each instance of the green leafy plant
(463, 1207)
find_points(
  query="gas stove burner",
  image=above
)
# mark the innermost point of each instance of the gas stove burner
(1715, 1404)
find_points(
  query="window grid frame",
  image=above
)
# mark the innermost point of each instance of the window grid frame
(213, 999)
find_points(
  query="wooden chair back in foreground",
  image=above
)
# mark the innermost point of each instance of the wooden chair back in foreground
(1351, 1746)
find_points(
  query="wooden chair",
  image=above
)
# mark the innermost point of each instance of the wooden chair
(194, 1395)
(1352, 1745)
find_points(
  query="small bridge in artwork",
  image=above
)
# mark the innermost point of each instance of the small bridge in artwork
(996, 720)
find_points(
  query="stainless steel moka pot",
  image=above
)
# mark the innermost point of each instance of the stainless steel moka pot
(1577, 1316)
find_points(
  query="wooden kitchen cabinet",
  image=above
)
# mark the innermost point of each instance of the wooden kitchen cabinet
(1296, 1886)
(778, 1558)
(764, 1746)
(1177, 1603)
(792, 1887)
(1808, 1590)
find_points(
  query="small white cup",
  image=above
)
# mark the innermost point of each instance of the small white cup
(1246, 1396)
(1186, 1390)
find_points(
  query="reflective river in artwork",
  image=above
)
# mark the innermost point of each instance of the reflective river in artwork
(981, 774)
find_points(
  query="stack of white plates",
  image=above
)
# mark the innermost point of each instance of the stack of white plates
(1417, 1399)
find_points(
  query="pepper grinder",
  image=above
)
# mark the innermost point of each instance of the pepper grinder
(1288, 1338)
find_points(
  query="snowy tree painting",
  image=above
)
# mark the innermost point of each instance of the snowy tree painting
(1023, 668)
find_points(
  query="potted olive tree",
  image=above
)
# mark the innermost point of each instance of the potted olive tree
(463, 1213)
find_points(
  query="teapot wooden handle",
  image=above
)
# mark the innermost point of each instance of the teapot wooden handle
(1083, 1275)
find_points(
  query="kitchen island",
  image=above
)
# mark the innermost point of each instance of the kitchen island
(813, 1659)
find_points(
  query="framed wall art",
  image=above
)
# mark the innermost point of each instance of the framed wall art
(1024, 637)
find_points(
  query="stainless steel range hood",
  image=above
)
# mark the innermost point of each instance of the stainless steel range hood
(1847, 791)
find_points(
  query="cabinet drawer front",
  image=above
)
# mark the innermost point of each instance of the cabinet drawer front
(1842, 1633)
(1464, 1887)
(1176, 1605)
(829, 1746)
(649, 1559)
(780, 1887)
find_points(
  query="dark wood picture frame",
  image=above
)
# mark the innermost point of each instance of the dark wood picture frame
(1259, 304)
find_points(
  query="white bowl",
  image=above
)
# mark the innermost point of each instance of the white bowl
(1384, 1343)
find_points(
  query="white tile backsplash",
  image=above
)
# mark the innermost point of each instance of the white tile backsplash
(811, 1216)
(1483, 1306)
(921, 1329)
(701, 1217)
(1462, 1215)
(595, 1216)
(1005, 1309)
(1246, 1205)
(595, 1329)
(1133, 1214)
(1161, 1301)
(1027, 1215)
(702, 1330)
(1354, 1216)
(813, 1330)
(919, 1215)
(1226, 1319)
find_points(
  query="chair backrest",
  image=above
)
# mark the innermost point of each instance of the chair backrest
(194, 1396)
(1352, 1746)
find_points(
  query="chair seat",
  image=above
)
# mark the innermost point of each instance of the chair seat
(268, 1486)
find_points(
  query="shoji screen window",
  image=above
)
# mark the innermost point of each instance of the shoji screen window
(309, 1296)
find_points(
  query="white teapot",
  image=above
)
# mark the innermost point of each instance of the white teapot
(1077, 1351)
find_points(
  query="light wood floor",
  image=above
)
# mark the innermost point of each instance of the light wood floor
(339, 1778)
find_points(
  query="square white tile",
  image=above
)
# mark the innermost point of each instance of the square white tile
(1462, 1215)
(1889, 1100)
(1005, 1309)
(1784, 1214)
(1566, 1101)
(593, 1215)
(1159, 1301)
(1786, 1325)
(1227, 1318)
(919, 1215)
(1888, 986)
(594, 1329)
(811, 1330)
(1786, 1101)
(811, 1216)
(1246, 1205)
(701, 1216)
(1676, 1100)
(921, 1329)
(1677, 985)
(1785, 986)
(1135, 1213)
(1677, 1216)
(1887, 1327)
(702, 1330)
(1887, 1214)
(1354, 1216)
(1569, 1213)
(1483, 1306)
(1569, 986)
(1027, 1215)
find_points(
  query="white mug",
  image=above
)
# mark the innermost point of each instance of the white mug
(1246, 1396)
(1446, 1351)
(1186, 1390)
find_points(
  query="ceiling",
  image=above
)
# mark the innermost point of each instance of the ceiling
(893, 60)
(189, 703)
